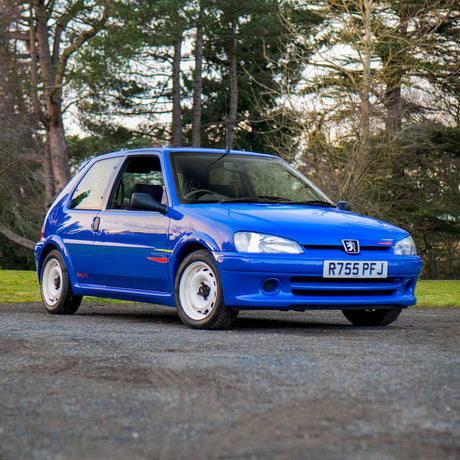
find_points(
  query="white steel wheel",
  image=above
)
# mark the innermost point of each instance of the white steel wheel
(198, 290)
(198, 293)
(52, 282)
(55, 288)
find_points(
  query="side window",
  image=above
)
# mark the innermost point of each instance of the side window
(140, 175)
(90, 191)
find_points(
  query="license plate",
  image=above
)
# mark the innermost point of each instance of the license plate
(361, 269)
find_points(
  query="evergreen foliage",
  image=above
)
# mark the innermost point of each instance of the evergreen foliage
(379, 117)
(363, 95)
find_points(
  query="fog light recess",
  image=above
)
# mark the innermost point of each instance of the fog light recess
(409, 287)
(271, 286)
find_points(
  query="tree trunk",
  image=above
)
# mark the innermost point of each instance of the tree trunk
(360, 159)
(52, 118)
(49, 60)
(233, 106)
(58, 155)
(176, 97)
(50, 191)
(198, 84)
(393, 98)
(394, 107)
(366, 85)
(16, 238)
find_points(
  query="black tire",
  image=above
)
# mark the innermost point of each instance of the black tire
(55, 289)
(198, 293)
(377, 317)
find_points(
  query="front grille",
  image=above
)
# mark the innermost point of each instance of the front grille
(332, 252)
(347, 281)
(313, 286)
(342, 293)
(336, 247)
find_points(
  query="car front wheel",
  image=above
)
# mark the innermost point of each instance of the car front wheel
(198, 293)
(377, 317)
(55, 287)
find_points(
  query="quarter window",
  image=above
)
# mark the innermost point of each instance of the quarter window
(91, 190)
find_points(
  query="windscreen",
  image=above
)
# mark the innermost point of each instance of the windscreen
(224, 178)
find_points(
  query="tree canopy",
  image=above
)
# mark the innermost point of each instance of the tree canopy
(362, 95)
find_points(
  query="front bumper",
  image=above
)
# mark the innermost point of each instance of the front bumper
(285, 282)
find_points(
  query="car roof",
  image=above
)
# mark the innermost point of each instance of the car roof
(191, 150)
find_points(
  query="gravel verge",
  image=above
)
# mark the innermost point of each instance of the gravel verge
(130, 381)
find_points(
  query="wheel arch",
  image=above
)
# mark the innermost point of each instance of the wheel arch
(182, 252)
(58, 245)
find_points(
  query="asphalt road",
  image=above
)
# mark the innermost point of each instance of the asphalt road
(131, 382)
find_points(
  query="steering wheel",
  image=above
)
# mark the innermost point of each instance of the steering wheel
(200, 191)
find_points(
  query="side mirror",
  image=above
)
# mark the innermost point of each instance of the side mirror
(344, 205)
(146, 202)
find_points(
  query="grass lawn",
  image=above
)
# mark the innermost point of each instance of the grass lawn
(438, 293)
(22, 286)
(19, 286)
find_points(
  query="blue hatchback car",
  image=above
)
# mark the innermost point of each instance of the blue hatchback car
(212, 232)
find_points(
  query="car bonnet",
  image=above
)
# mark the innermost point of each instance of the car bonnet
(313, 225)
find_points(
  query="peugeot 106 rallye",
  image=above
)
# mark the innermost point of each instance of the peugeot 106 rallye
(212, 232)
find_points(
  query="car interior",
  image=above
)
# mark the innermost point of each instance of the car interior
(140, 175)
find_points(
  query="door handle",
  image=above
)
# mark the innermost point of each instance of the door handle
(96, 222)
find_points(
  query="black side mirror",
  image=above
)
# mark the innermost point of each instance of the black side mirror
(344, 205)
(146, 202)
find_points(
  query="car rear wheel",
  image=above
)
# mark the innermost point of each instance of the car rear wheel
(198, 293)
(55, 287)
(376, 317)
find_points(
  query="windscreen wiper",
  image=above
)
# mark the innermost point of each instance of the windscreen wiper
(275, 199)
(256, 199)
(243, 199)
(326, 204)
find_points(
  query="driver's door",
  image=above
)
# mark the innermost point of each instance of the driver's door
(131, 245)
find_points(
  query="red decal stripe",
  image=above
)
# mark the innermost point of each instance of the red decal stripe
(162, 260)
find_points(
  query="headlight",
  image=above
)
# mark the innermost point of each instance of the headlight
(261, 243)
(405, 247)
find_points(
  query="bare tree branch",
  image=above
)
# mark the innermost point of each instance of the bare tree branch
(20, 240)
(78, 43)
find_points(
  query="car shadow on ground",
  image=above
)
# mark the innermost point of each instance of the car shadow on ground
(246, 320)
